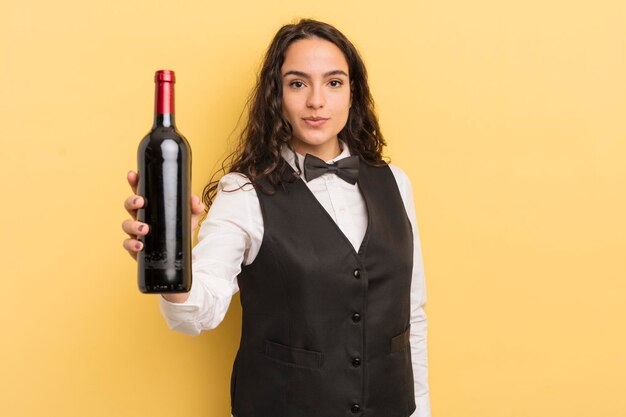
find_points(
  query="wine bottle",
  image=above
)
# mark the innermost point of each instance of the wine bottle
(164, 169)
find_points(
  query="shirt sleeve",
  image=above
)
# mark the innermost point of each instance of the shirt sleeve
(229, 237)
(419, 356)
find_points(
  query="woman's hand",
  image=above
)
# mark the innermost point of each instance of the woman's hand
(136, 228)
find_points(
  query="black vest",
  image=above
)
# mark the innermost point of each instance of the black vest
(325, 329)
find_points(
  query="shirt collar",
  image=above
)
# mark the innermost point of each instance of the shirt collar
(287, 154)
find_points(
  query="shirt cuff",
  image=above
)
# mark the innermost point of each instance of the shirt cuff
(176, 313)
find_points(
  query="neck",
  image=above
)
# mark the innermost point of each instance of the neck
(164, 120)
(326, 151)
(164, 99)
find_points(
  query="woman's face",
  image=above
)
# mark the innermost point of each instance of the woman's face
(316, 95)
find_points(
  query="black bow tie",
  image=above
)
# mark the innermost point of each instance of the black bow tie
(347, 168)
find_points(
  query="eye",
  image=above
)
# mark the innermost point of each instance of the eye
(296, 84)
(336, 83)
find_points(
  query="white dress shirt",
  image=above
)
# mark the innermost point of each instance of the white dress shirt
(232, 233)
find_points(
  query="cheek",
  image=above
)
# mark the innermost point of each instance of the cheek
(288, 105)
(345, 106)
(346, 110)
(344, 101)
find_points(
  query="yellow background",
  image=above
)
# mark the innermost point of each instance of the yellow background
(507, 116)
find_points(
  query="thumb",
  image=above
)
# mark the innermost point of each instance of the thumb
(197, 206)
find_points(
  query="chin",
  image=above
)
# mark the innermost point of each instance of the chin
(316, 141)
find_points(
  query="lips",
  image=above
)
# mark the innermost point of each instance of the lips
(314, 121)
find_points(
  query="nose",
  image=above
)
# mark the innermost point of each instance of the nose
(316, 98)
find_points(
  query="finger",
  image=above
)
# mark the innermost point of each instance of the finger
(135, 228)
(133, 179)
(133, 203)
(197, 206)
(133, 247)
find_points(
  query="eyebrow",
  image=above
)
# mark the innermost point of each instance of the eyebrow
(305, 75)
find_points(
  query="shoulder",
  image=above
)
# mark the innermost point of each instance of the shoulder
(403, 181)
(235, 181)
(404, 184)
(235, 195)
(235, 205)
(401, 178)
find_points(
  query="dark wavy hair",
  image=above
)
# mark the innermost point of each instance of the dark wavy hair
(258, 152)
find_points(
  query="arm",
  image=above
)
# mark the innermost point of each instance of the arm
(229, 237)
(418, 343)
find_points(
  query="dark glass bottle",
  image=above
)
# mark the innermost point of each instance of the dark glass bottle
(164, 169)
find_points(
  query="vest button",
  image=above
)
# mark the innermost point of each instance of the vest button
(357, 273)
(356, 362)
(356, 317)
(356, 408)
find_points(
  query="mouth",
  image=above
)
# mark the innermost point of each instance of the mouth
(314, 121)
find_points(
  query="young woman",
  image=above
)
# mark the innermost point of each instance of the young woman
(319, 235)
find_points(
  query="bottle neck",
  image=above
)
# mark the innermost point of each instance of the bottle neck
(164, 104)
(164, 120)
